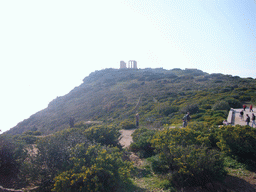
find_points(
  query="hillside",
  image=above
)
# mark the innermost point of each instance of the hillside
(160, 97)
(200, 157)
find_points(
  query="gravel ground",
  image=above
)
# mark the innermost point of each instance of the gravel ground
(126, 137)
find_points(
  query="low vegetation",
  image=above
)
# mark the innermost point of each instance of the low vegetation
(83, 159)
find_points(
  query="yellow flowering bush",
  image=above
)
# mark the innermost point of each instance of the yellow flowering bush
(196, 165)
(95, 168)
(194, 134)
(75, 157)
(53, 154)
(142, 142)
(238, 141)
(105, 135)
(187, 155)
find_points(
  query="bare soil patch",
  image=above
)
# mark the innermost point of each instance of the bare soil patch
(126, 137)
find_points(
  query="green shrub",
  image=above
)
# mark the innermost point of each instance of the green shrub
(233, 163)
(244, 98)
(234, 103)
(221, 105)
(105, 135)
(133, 86)
(165, 109)
(157, 165)
(196, 166)
(8, 165)
(206, 106)
(190, 165)
(165, 185)
(82, 125)
(54, 153)
(187, 154)
(191, 108)
(36, 133)
(235, 96)
(71, 151)
(253, 99)
(29, 139)
(142, 142)
(12, 155)
(126, 124)
(94, 168)
(238, 141)
(194, 133)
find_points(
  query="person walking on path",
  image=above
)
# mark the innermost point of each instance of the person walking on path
(137, 119)
(242, 115)
(186, 119)
(247, 119)
(251, 108)
(244, 106)
(184, 123)
(253, 120)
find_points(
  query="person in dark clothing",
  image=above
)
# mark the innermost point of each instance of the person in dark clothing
(137, 119)
(186, 119)
(242, 114)
(253, 120)
(247, 119)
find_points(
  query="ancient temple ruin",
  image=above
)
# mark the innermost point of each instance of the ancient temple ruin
(132, 64)
(122, 65)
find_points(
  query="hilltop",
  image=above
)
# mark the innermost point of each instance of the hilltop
(160, 97)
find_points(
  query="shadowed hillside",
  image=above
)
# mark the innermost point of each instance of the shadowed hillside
(160, 97)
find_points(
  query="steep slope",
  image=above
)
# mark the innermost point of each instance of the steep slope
(160, 96)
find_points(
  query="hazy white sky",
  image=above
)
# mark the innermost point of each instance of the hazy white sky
(48, 47)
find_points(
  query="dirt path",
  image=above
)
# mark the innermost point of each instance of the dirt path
(126, 137)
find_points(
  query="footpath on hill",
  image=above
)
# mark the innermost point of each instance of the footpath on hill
(234, 117)
(126, 137)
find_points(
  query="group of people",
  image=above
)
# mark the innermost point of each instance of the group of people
(248, 119)
(187, 118)
(244, 107)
